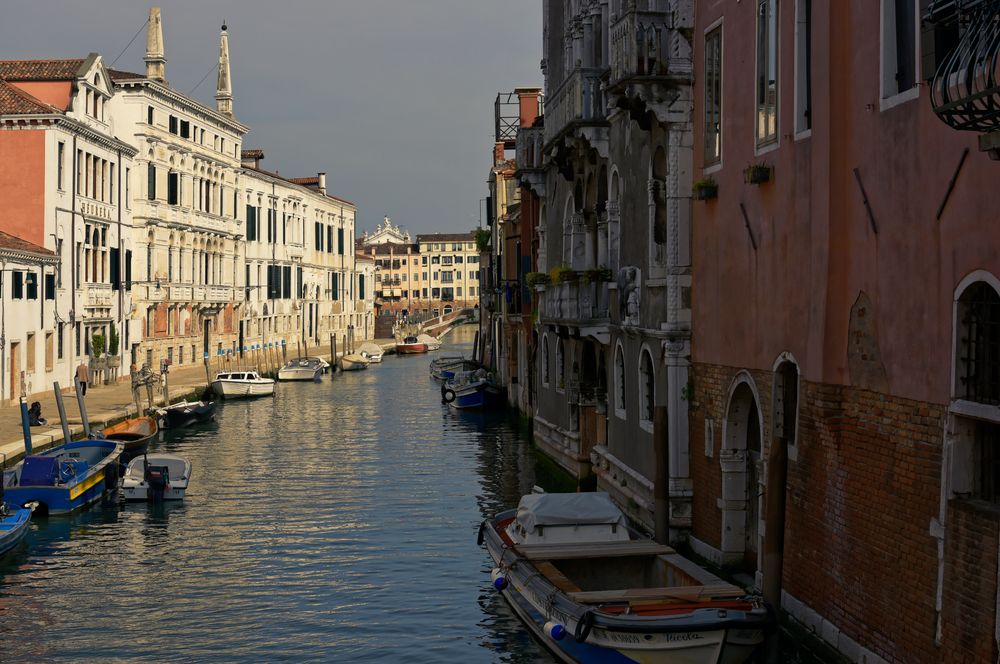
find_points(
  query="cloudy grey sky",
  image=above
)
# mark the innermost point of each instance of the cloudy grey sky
(392, 98)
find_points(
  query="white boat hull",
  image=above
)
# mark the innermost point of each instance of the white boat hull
(138, 492)
(235, 389)
(300, 374)
(351, 365)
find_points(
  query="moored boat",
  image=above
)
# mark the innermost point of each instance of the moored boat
(303, 368)
(445, 368)
(432, 343)
(135, 432)
(473, 390)
(592, 590)
(236, 384)
(155, 477)
(411, 345)
(353, 362)
(13, 525)
(371, 351)
(65, 478)
(185, 413)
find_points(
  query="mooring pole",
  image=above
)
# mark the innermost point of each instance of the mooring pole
(25, 425)
(81, 402)
(661, 484)
(62, 413)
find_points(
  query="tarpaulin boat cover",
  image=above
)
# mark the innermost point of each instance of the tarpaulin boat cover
(567, 509)
(39, 471)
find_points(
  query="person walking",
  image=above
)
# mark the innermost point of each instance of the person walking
(83, 375)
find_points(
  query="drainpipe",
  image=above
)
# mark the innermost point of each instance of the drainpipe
(121, 261)
(774, 532)
(72, 256)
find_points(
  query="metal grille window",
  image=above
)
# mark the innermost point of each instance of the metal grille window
(647, 386)
(987, 456)
(979, 345)
(619, 379)
(713, 96)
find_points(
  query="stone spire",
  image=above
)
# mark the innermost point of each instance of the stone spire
(154, 47)
(224, 88)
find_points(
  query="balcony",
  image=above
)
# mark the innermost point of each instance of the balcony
(575, 303)
(578, 101)
(222, 294)
(98, 295)
(651, 59)
(180, 293)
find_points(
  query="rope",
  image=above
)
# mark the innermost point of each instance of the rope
(144, 23)
(191, 91)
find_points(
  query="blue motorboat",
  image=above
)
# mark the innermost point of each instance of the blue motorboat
(472, 390)
(14, 526)
(65, 478)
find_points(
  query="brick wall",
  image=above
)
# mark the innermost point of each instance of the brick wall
(863, 486)
(969, 601)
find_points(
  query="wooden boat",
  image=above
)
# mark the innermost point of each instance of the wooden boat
(473, 390)
(592, 590)
(303, 368)
(14, 526)
(65, 478)
(411, 345)
(353, 362)
(185, 413)
(156, 477)
(237, 384)
(432, 343)
(136, 433)
(445, 368)
(371, 351)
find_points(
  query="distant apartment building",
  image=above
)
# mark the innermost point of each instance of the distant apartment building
(299, 273)
(187, 191)
(66, 243)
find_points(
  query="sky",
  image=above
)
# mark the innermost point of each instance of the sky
(393, 99)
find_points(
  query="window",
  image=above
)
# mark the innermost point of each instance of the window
(335, 285)
(713, 96)
(251, 223)
(60, 159)
(767, 71)
(31, 351)
(319, 236)
(151, 182)
(17, 285)
(60, 330)
(899, 46)
(620, 382)
(361, 286)
(128, 269)
(149, 115)
(173, 188)
(545, 360)
(803, 66)
(340, 241)
(50, 286)
(173, 124)
(560, 365)
(185, 129)
(978, 345)
(647, 388)
(128, 196)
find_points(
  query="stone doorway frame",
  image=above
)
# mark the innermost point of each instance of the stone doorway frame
(733, 460)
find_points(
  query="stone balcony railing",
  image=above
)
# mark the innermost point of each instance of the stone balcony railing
(575, 303)
(218, 293)
(99, 295)
(578, 99)
(650, 44)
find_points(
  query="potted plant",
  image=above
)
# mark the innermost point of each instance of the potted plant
(483, 238)
(758, 173)
(97, 350)
(113, 360)
(597, 275)
(537, 279)
(706, 189)
(562, 274)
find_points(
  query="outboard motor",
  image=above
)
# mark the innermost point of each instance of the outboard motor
(157, 482)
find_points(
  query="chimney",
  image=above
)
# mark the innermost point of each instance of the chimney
(154, 47)
(251, 158)
(322, 182)
(498, 153)
(224, 87)
(528, 105)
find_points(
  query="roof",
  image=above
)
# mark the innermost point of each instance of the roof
(297, 181)
(40, 70)
(359, 255)
(447, 237)
(395, 248)
(252, 154)
(306, 181)
(121, 75)
(15, 101)
(13, 243)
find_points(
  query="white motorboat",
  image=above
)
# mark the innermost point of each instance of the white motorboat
(154, 477)
(353, 362)
(371, 351)
(323, 363)
(592, 590)
(303, 368)
(432, 343)
(236, 384)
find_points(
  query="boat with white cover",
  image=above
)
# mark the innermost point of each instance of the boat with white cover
(153, 477)
(303, 368)
(237, 384)
(592, 590)
(432, 343)
(371, 351)
(353, 362)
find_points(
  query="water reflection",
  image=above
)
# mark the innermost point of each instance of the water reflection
(336, 521)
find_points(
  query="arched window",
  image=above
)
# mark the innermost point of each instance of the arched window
(545, 360)
(647, 387)
(620, 381)
(560, 366)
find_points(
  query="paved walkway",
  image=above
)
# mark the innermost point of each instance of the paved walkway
(107, 404)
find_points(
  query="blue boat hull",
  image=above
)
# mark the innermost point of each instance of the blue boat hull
(13, 528)
(64, 497)
(478, 397)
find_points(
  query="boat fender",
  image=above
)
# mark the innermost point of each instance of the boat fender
(480, 537)
(499, 578)
(583, 626)
(448, 395)
(554, 631)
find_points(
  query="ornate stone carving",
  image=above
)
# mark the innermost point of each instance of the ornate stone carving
(629, 292)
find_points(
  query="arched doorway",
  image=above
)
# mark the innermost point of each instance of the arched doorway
(740, 461)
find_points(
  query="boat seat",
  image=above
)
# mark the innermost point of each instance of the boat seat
(598, 550)
(640, 596)
(558, 579)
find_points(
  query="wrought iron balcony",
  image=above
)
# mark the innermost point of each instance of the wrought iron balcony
(650, 45)
(579, 100)
(965, 90)
(577, 303)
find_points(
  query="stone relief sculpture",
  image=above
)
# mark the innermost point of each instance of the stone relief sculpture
(629, 278)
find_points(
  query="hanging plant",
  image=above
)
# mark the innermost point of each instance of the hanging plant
(706, 189)
(758, 173)
(537, 279)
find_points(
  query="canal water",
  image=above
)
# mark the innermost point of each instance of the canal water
(334, 522)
